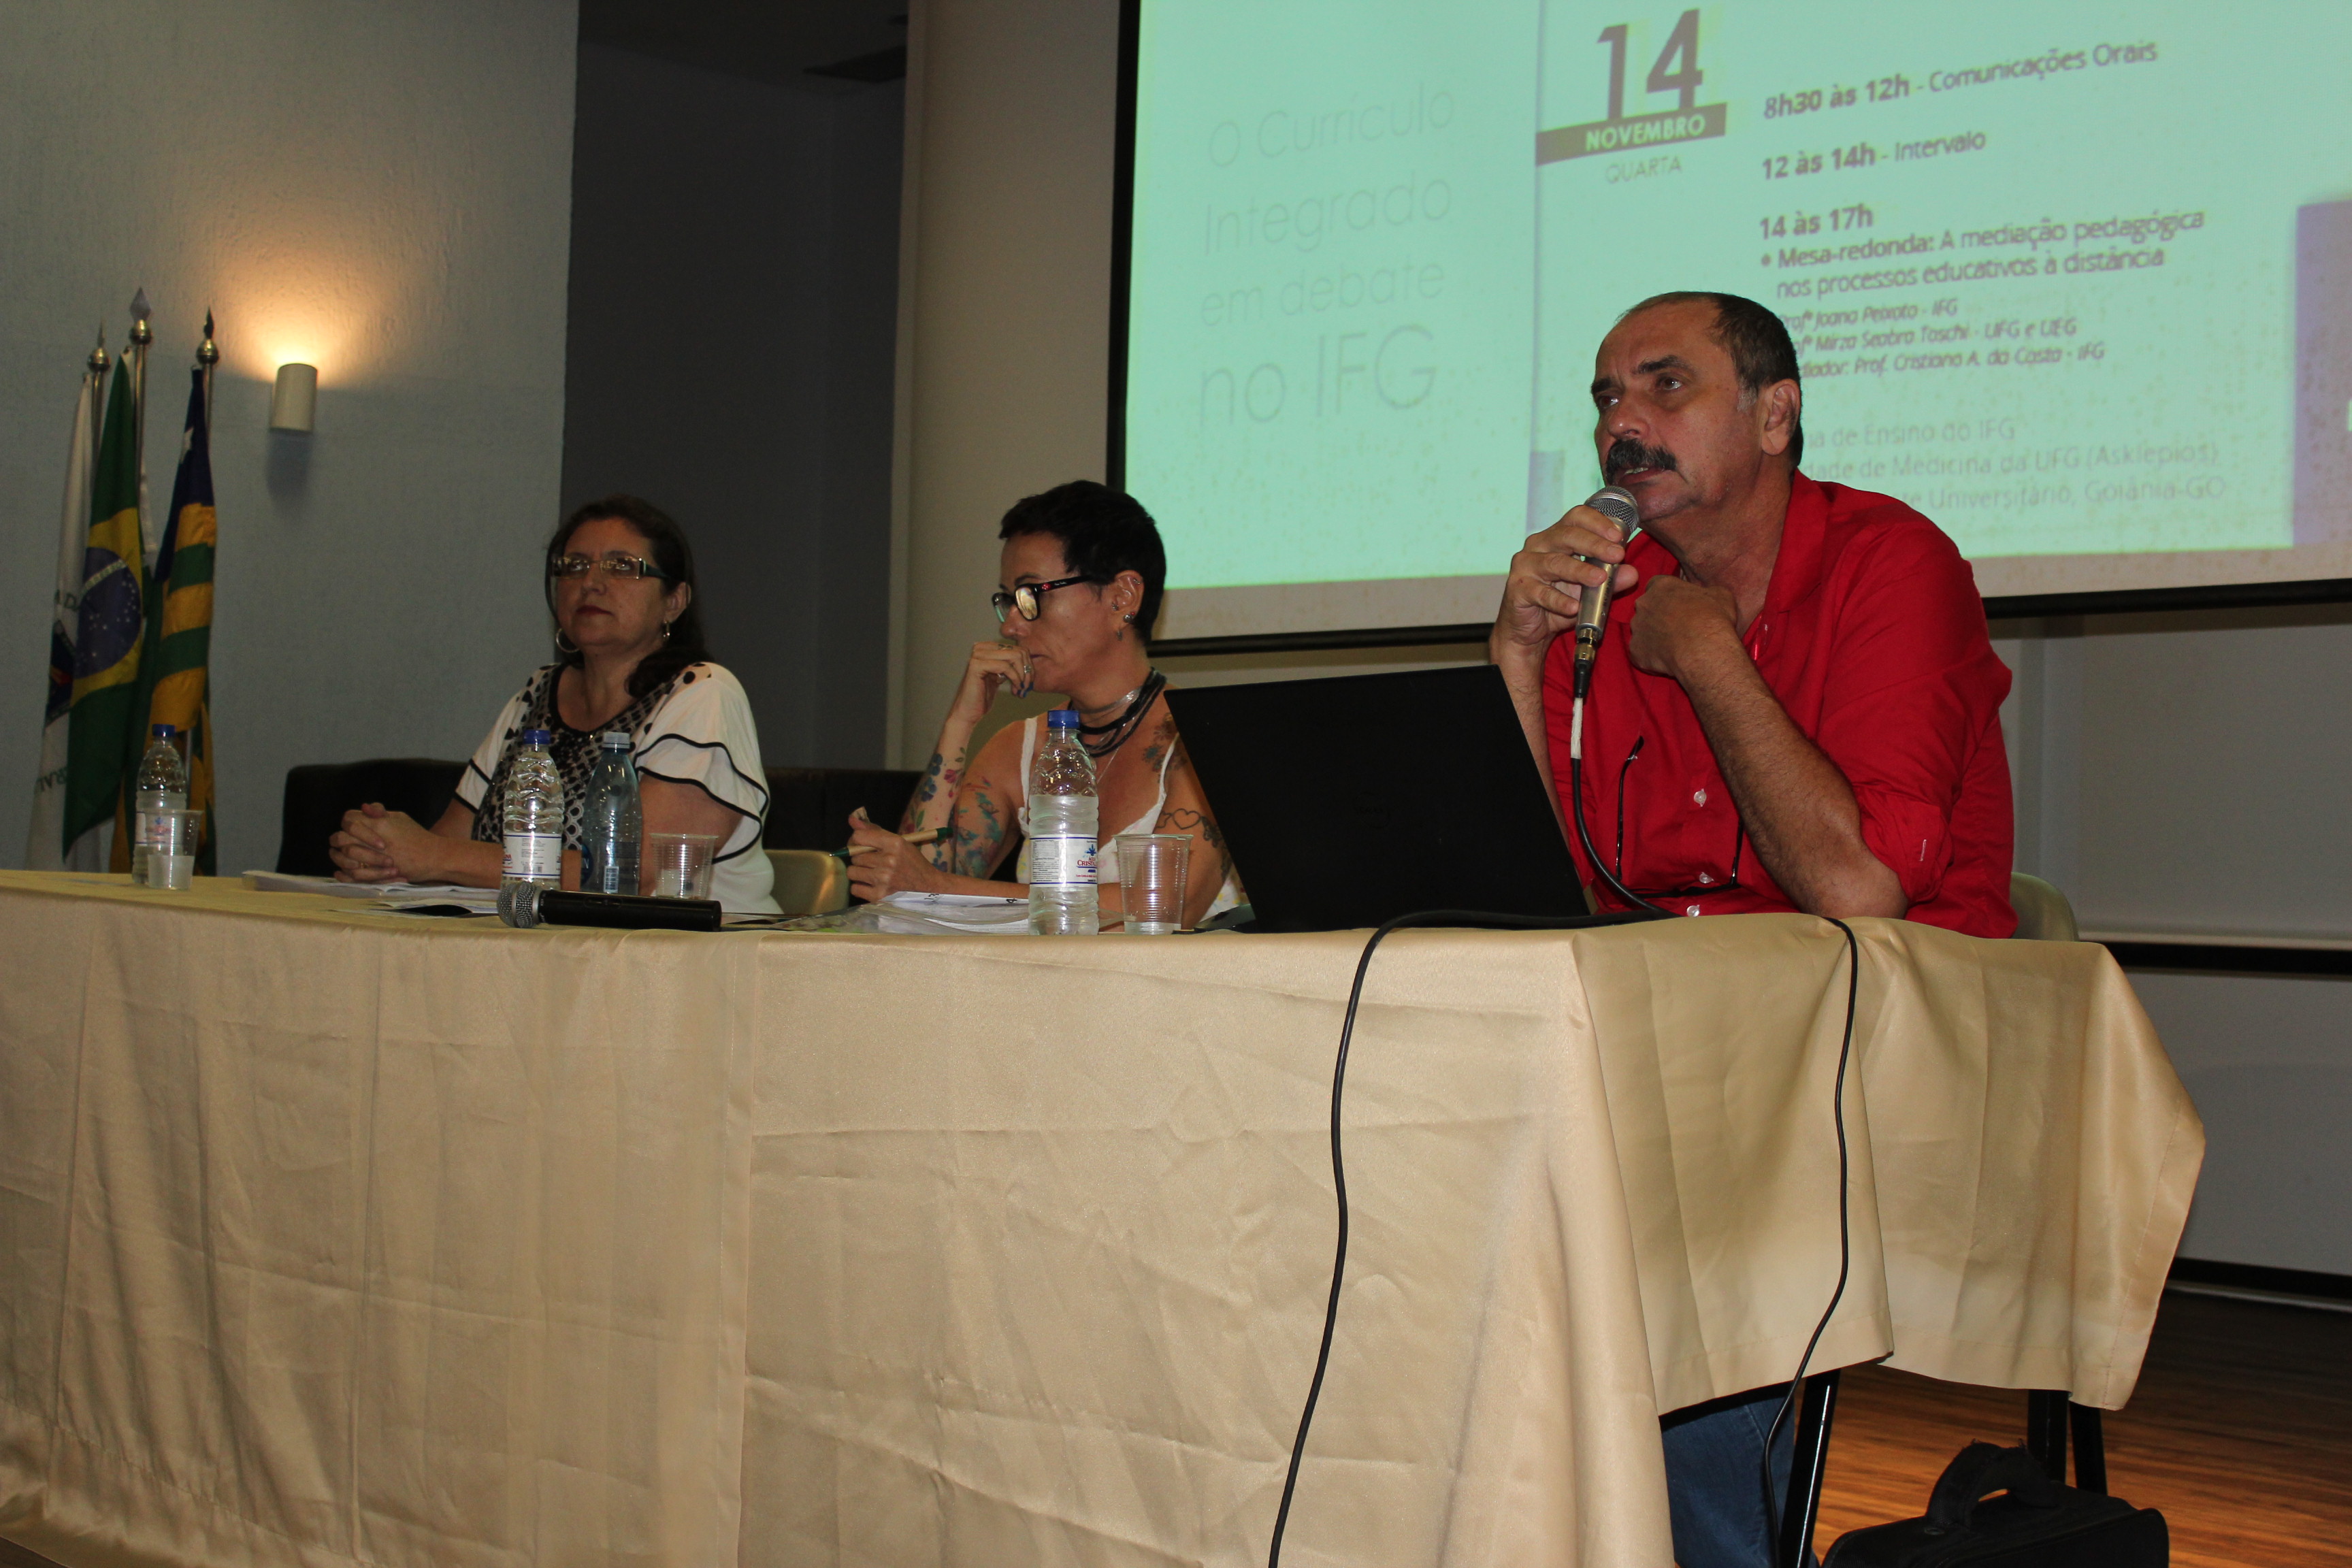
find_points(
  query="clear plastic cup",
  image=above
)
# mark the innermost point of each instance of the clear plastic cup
(677, 865)
(170, 859)
(1151, 868)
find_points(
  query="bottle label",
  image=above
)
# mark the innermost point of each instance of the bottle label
(147, 823)
(1063, 860)
(609, 869)
(535, 855)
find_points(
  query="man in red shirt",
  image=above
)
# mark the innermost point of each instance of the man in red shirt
(1796, 707)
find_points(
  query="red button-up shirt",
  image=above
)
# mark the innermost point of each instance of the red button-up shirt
(1873, 637)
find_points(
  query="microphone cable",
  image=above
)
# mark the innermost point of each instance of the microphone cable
(1625, 895)
(1586, 655)
(1346, 1034)
(1477, 918)
(1845, 1245)
(1638, 908)
(1339, 1163)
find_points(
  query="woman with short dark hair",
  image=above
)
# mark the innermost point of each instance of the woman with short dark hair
(630, 657)
(1079, 584)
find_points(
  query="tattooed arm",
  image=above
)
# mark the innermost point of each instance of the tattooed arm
(985, 823)
(934, 799)
(938, 799)
(1187, 812)
(983, 820)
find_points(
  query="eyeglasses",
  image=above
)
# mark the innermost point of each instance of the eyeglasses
(1707, 882)
(1024, 597)
(613, 564)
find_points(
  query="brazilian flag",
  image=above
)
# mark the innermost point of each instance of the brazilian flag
(103, 731)
(173, 667)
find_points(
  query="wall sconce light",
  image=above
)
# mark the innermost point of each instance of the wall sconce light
(295, 399)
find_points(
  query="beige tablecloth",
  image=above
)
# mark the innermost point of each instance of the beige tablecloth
(329, 1236)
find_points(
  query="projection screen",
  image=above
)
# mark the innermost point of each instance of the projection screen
(2074, 281)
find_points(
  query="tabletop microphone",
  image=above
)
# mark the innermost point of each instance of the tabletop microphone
(1617, 505)
(624, 912)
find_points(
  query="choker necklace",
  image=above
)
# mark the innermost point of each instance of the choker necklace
(1114, 734)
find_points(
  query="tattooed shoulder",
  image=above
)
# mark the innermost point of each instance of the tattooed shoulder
(1161, 737)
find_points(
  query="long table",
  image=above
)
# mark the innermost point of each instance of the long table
(330, 1235)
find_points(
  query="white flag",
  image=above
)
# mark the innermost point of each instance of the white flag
(45, 844)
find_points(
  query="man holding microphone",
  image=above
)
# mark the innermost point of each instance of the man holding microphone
(1795, 707)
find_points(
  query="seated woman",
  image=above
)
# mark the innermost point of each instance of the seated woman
(629, 655)
(1078, 588)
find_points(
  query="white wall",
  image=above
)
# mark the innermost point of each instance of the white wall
(2184, 772)
(1004, 309)
(381, 189)
(2189, 773)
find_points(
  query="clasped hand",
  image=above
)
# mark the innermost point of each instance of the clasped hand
(1678, 624)
(378, 846)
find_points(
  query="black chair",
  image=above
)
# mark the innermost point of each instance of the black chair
(318, 794)
(808, 808)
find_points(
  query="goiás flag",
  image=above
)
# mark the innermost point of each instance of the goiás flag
(45, 843)
(173, 679)
(102, 732)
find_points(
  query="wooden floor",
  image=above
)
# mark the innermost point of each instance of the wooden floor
(2241, 1432)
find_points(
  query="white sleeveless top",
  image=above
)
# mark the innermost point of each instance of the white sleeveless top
(1106, 858)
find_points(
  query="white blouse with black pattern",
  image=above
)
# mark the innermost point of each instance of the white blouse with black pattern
(693, 729)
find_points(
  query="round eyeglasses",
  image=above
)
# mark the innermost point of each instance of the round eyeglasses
(1024, 597)
(613, 564)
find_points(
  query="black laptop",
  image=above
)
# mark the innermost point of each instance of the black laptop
(1349, 801)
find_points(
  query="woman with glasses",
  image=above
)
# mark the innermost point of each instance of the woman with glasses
(629, 655)
(1078, 588)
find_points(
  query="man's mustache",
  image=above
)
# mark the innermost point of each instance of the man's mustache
(1628, 456)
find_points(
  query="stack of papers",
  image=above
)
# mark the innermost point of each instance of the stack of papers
(951, 914)
(386, 895)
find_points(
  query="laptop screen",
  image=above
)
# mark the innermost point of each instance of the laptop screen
(1349, 801)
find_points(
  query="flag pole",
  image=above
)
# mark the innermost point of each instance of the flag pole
(142, 335)
(97, 363)
(207, 356)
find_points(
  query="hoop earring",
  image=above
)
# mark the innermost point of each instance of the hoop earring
(563, 645)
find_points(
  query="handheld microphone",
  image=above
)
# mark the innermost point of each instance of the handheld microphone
(1617, 505)
(624, 912)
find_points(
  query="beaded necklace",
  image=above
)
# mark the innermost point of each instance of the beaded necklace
(1139, 702)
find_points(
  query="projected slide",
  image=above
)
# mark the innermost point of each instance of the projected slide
(2066, 278)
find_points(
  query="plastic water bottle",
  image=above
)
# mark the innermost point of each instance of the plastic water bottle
(162, 786)
(1063, 818)
(533, 826)
(612, 824)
